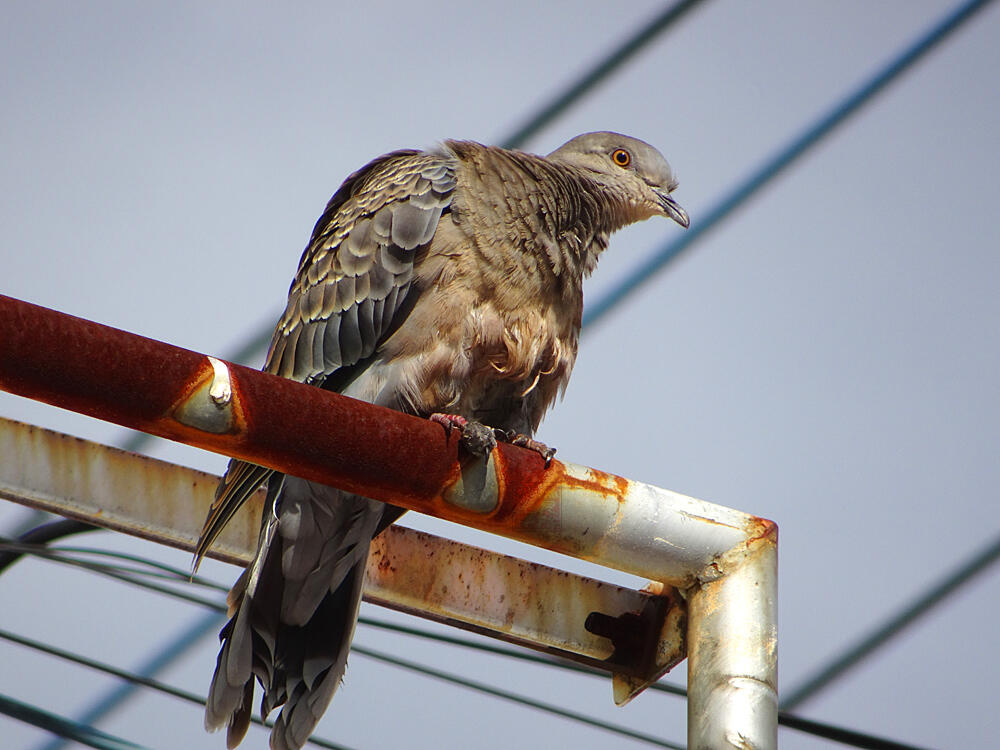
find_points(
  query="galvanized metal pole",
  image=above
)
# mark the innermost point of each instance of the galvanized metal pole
(440, 579)
(733, 650)
(723, 560)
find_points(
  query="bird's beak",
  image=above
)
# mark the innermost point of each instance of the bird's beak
(671, 209)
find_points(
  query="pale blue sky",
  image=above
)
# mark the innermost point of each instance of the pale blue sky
(829, 358)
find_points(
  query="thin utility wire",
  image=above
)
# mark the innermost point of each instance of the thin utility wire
(135, 678)
(746, 189)
(847, 737)
(55, 724)
(601, 70)
(77, 556)
(218, 607)
(820, 729)
(513, 697)
(787, 156)
(255, 342)
(159, 660)
(883, 633)
(259, 339)
(785, 719)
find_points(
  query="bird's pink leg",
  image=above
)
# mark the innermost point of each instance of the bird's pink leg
(532, 445)
(450, 421)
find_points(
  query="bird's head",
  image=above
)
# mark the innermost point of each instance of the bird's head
(632, 167)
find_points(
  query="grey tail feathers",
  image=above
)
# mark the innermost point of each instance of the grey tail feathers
(298, 666)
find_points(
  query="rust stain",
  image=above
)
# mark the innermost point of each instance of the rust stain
(517, 600)
(761, 529)
(525, 487)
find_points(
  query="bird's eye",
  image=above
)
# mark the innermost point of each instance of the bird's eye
(621, 157)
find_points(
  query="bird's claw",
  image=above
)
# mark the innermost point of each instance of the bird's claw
(449, 421)
(480, 440)
(531, 444)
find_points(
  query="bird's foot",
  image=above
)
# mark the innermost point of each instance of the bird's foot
(449, 421)
(477, 438)
(532, 445)
(480, 440)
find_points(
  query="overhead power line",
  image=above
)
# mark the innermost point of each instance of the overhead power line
(760, 178)
(772, 167)
(165, 655)
(598, 72)
(514, 697)
(256, 341)
(978, 563)
(136, 577)
(132, 678)
(63, 727)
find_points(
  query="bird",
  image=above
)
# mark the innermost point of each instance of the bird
(446, 283)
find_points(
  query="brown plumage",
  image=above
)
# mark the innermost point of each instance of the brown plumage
(445, 281)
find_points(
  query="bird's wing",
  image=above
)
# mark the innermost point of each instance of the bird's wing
(350, 290)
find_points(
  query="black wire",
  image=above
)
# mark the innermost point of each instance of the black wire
(598, 72)
(137, 679)
(47, 532)
(843, 736)
(947, 586)
(63, 727)
(258, 339)
(127, 577)
(514, 697)
(785, 719)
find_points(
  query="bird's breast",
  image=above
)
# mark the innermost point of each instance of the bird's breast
(474, 354)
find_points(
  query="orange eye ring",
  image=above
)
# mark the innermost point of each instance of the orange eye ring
(621, 157)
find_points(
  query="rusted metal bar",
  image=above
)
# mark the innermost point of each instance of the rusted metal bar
(413, 463)
(475, 589)
(386, 455)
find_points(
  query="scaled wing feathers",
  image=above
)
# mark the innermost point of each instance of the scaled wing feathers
(348, 294)
(357, 269)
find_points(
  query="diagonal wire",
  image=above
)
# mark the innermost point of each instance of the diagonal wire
(259, 338)
(51, 722)
(601, 70)
(774, 166)
(843, 736)
(254, 342)
(785, 719)
(72, 556)
(143, 679)
(163, 657)
(514, 697)
(135, 679)
(879, 636)
(816, 728)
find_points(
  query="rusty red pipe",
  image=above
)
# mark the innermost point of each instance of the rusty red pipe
(144, 384)
(383, 454)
